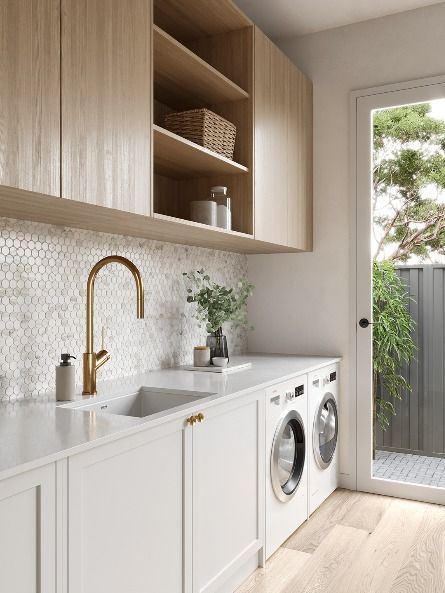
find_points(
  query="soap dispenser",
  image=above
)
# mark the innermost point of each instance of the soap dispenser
(65, 378)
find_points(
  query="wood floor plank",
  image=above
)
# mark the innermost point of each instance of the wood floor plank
(280, 569)
(378, 563)
(332, 512)
(332, 558)
(366, 511)
(361, 543)
(424, 568)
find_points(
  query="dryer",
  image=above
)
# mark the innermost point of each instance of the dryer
(286, 461)
(323, 434)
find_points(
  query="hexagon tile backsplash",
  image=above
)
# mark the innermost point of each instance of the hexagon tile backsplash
(43, 274)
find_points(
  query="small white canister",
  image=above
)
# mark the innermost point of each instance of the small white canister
(203, 211)
(201, 356)
(223, 207)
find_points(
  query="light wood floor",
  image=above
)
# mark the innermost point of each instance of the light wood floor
(360, 543)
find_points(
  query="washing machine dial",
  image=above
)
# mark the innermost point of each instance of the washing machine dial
(290, 395)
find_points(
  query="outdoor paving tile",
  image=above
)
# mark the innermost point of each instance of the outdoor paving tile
(417, 469)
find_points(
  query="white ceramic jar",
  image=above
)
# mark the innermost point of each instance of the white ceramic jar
(204, 211)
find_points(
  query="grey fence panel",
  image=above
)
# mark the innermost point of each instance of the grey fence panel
(420, 415)
(436, 388)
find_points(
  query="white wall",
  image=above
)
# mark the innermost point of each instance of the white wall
(304, 302)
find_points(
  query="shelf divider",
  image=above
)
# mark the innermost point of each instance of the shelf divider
(179, 158)
(183, 80)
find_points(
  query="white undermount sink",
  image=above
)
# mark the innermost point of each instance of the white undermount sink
(145, 402)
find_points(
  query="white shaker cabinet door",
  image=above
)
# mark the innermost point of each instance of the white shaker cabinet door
(228, 483)
(27, 532)
(125, 514)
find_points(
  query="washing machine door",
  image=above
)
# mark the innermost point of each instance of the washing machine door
(325, 431)
(288, 456)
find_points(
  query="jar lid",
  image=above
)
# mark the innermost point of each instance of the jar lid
(201, 347)
(219, 189)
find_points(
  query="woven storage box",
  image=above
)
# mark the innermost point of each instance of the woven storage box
(205, 128)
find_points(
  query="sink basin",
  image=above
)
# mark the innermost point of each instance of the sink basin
(143, 403)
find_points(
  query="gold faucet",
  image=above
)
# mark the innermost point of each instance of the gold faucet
(94, 360)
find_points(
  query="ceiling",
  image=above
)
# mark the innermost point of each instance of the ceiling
(285, 18)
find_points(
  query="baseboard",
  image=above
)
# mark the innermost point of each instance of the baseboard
(240, 576)
(347, 481)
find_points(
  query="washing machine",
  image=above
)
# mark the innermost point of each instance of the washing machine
(323, 434)
(286, 461)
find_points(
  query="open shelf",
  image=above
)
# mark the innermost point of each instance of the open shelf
(179, 158)
(200, 18)
(203, 57)
(199, 225)
(183, 80)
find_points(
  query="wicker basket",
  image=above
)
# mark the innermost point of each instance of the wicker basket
(205, 128)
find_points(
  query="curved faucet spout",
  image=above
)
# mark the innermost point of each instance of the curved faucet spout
(92, 360)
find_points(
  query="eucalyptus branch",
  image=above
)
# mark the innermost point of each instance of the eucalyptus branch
(216, 304)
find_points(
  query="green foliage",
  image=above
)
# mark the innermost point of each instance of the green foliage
(407, 123)
(409, 157)
(217, 304)
(393, 345)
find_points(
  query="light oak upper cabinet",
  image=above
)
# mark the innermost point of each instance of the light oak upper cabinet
(283, 149)
(30, 95)
(271, 106)
(299, 161)
(106, 103)
(27, 532)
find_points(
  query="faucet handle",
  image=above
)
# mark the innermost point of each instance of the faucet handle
(102, 357)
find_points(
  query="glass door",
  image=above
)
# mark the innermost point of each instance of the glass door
(400, 273)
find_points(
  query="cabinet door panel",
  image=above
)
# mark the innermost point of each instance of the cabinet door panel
(126, 516)
(283, 149)
(30, 95)
(27, 532)
(226, 499)
(106, 103)
(271, 121)
(299, 161)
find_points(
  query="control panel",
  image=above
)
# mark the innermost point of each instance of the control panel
(289, 395)
(285, 394)
(297, 392)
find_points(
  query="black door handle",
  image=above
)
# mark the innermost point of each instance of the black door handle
(364, 323)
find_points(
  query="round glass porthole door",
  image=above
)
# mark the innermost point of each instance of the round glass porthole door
(325, 431)
(288, 454)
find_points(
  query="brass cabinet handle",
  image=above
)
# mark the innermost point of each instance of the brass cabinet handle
(196, 418)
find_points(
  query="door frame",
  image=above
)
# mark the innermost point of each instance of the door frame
(361, 102)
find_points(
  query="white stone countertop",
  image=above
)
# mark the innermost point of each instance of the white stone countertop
(37, 431)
